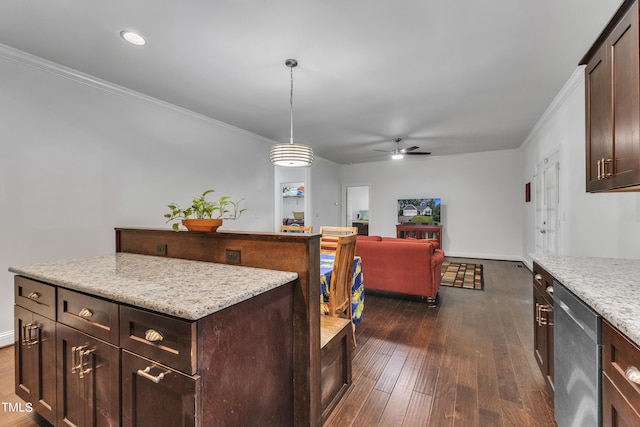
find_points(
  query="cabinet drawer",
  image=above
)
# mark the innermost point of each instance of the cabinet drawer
(618, 354)
(35, 296)
(542, 281)
(94, 316)
(167, 340)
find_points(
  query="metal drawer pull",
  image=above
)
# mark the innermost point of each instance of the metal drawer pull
(33, 296)
(153, 335)
(550, 290)
(633, 374)
(538, 278)
(85, 313)
(74, 358)
(546, 310)
(145, 374)
(81, 367)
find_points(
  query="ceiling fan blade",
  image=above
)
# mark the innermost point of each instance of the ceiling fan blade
(382, 151)
(406, 150)
(418, 153)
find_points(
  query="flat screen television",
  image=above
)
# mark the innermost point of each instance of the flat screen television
(419, 211)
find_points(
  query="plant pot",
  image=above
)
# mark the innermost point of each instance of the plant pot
(208, 225)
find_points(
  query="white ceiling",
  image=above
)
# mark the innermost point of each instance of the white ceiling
(447, 76)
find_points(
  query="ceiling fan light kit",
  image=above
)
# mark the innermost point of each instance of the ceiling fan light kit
(291, 155)
(399, 153)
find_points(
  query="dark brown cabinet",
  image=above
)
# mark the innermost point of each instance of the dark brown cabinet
(155, 395)
(88, 381)
(612, 83)
(620, 379)
(543, 321)
(35, 347)
(362, 226)
(35, 352)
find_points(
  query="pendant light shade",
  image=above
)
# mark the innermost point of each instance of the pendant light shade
(291, 155)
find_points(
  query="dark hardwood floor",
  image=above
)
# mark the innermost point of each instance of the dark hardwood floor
(467, 362)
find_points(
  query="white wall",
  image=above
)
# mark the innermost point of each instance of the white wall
(598, 225)
(80, 158)
(326, 206)
(481, 194)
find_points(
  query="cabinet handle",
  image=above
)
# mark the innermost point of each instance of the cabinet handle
(82, 371)
(606, 162)
(546, 321)
(633, 374)
(153, 335)
(28, 336)
(32, 340)
(33, 296)
(538, 314)
(85, 313)
(74, 358)
(25, 340)
(550, 290)
(538, 278)
(145, 374)
(599, 169)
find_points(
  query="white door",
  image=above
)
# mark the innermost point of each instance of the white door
(547, 203)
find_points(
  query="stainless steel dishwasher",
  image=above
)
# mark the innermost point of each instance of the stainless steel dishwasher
(577, 361)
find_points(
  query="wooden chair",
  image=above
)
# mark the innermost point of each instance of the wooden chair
(342, 279)
(329, 238)
(305, 229)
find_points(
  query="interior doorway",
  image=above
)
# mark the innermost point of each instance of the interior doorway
(547, 203)
(357, 208)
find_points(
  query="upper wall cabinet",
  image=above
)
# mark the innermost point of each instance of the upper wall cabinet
(612, 81)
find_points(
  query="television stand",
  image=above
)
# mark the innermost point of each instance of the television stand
(418, 231)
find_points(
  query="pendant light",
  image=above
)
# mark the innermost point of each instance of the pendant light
(291, 155)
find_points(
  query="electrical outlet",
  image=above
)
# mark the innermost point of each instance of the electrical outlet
(232, 256)
(161, 249)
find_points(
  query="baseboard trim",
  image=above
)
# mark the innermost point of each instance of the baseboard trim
(6, 338)
(497, 257)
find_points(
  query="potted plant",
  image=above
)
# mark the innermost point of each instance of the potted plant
(204, 215)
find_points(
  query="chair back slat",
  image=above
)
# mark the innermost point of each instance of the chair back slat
(342, 277)
(329, 238)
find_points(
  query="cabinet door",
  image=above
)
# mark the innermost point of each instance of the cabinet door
(89, 380)
(154, 395)
(626, 108)
(540, 332)
(543, 334)
(599, 117)
(616, 410)
(35, 361)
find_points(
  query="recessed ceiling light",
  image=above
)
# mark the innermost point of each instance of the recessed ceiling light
(133, 38)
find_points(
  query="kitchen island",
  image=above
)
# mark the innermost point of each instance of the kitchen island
(145, 340)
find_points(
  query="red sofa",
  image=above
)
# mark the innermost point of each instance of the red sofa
(405, 266)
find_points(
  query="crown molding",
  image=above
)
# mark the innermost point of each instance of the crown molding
(35, 62)
(576, 80)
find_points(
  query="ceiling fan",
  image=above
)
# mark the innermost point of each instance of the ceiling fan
(398, 153)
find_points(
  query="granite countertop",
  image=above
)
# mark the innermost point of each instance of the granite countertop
(182, 288)
(610, 286)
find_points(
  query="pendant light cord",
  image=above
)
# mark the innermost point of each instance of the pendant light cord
(291, 106)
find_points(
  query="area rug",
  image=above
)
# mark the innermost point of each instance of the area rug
(462, 275)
